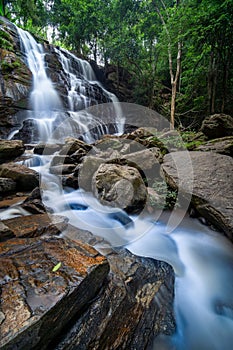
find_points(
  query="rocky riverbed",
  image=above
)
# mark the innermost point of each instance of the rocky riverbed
(58, 280)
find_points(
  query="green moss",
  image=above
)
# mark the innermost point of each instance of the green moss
(8, 67)
(6, 40)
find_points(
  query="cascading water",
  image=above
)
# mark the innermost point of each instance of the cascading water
(83, 90)
(44, 100)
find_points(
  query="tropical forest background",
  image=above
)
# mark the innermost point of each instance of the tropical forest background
(176, 56)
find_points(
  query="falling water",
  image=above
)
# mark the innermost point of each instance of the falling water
(84, 90)
(44, 100)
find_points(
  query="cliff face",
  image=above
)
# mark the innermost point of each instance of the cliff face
(15, 79)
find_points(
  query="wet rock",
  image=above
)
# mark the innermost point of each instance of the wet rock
(222, 145)
(33, 203)
(62, 169)
(26, 179)
(61, 159)
(7, 185)
(78, 155)
(5, 232)
(34, 225)
(46, 149)
(134, 305)
(70, 181)
(120, 186)
(37, 301)
(217, 125)
(208, 177)
(10, 149)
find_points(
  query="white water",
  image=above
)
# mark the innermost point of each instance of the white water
(44, 100)
(81, 85)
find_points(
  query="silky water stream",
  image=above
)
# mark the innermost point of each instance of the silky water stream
(201, 258)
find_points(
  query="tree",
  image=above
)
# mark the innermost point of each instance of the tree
(169, 18)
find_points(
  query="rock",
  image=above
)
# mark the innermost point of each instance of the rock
(211, 187)
(7, 185)
(223, 145)
(87, 169)
(78, 155)
(37, 302)
(72, 145)
(70, 181)
(62, 169)
(33, 203)
(134, 305)
(120, 186)
(34, 225)
(26, 179)
(10, 149)
(5, 232)
(61, 159)
(217, 125)
(46, 149)
(144, 159)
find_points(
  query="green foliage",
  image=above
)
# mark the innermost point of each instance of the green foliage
(167, 195)
(131, 34)
(56, 267)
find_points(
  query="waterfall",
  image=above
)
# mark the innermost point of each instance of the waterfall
(84, 90)
(44, 100)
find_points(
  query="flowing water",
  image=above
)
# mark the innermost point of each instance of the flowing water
(83, 90)
(201, 258)
(44, 100)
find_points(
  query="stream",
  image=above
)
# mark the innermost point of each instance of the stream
(201, 258)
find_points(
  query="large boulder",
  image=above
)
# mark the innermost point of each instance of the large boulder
(222, 145)
(208, 178)
(134, 305)
(45, 283)
(217, 125)
(120, 186)
(10, 149)
(26, 179)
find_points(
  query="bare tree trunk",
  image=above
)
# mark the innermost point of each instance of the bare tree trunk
(174, 79)
(118, 75)
(225, 80)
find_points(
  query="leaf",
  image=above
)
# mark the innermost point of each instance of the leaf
(56, 267)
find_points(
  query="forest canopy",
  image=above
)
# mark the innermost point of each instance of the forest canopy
(178, 53)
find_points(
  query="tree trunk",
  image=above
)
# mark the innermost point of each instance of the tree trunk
(118, 75)
(173, 106)
(212, 81)
(224, 83)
